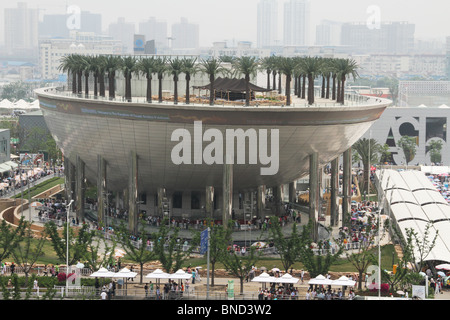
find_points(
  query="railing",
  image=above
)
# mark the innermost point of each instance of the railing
(349, 100)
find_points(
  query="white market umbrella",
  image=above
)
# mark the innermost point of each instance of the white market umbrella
(264, 277)
(320, 280)
(103, 273)
(444, 266)
(286, 278)
(158, 274)
(125, 273)
(180, 275)
(344, 281)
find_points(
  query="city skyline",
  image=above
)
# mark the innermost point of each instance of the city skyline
(237, 21)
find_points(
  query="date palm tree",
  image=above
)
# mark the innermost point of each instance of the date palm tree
(212, 67)
(175, 68)
(311, 67)
(112, 65)
(344, 68)
(101, 68)
(160, 70)
(248, 66)
(147, 66)
(266, 64)
(189, 68)
(287, 66)
(128, 65)
(68, 65)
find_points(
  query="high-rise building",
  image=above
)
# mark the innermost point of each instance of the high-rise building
(267, 23)
(51, 51)
(58, 26)
(328, 33)
(123, 31)
(155, 30)
(296, 23)
(390, 37)
(447, 53)
(21, 30)
(185, 35)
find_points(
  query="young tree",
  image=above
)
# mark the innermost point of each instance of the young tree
(78, 243)
(99, 253)
(320, 263)
(10, 237)
(219, 239)
(287, 247)
(363, 257)
(169, 250)
(138, 253)
(240, 266)
(416, 248)
(28, 251)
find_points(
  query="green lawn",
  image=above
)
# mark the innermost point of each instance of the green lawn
(39, 188)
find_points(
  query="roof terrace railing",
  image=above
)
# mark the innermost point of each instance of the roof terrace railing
(351, 99)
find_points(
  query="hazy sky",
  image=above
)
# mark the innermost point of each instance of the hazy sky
(236, 19)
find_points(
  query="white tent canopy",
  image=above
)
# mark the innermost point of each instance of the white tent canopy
(286, 278)
(264, 277)
(320, 280)
(180, 275)
(103, 273)
(344, 281)
(125, 273)
(158, 274)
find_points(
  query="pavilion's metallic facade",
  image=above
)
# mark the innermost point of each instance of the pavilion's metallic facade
(115, 130)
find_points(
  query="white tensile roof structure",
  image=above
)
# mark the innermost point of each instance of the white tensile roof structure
(414, 202)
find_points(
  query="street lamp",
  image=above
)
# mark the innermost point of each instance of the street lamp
(67, 247)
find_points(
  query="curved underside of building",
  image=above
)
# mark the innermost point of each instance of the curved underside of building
(90, 127)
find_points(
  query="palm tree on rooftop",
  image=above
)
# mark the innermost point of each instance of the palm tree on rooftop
(266, 64)
(345, 67)
(112, 65)
(86, 65)
(147, 67)
(160, 70)
(189, 68)
(175, 68)
(311, 67)
(248, 66)
(287, 66)
(78, 69)
(212, 67)
(68, 65)
(128, 66)
(101, 69)
(95, 66)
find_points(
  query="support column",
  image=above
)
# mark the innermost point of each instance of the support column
(101, 190)
(227, 191)
(334, 190)
(277, 197)
(346, 184)
(163, 205)
(314, 193)
(261, 201)
(209, 202)
(293, 192)
(80, 188)
(133, 193)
